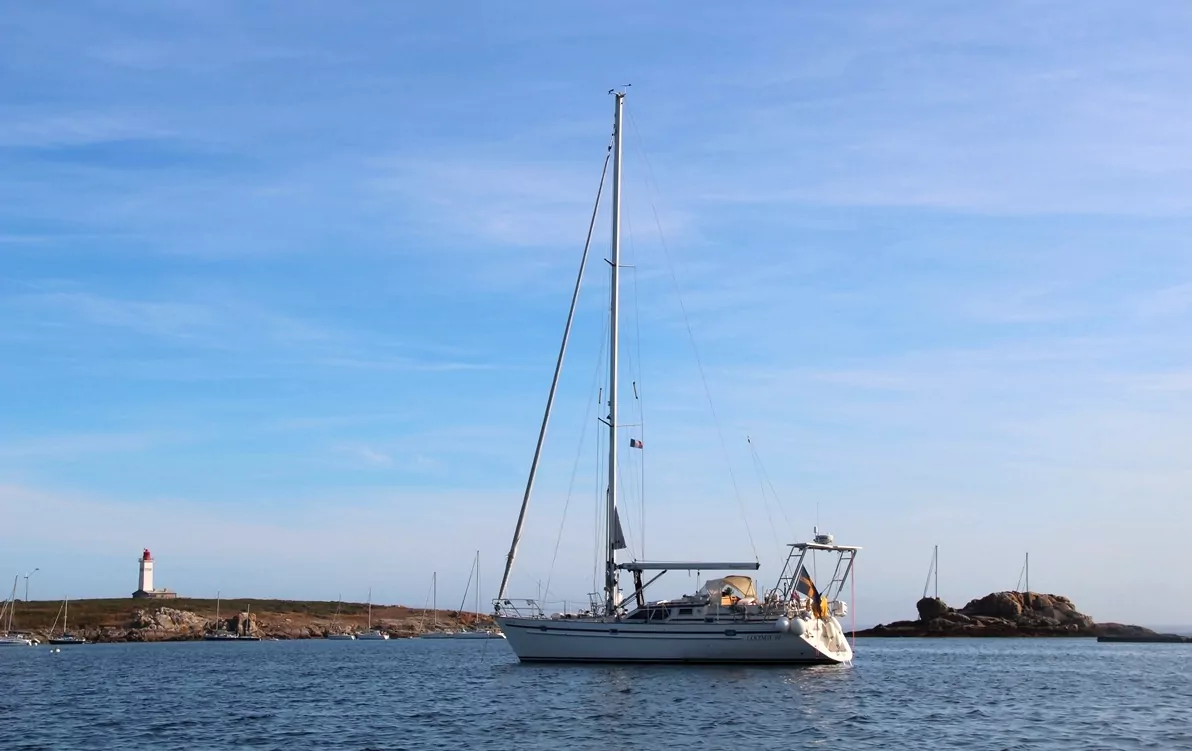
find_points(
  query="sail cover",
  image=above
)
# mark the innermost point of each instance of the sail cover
(742, 584)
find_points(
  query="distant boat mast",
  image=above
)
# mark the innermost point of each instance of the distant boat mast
(933, 572)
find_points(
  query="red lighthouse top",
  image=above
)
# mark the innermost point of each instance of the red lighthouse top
(145, 556)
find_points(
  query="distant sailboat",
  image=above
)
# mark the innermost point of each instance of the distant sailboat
(373, 634)
(338, 635)
(246, 634)
(9, 639)
(221, 632)
(66, 637)
(463, 632)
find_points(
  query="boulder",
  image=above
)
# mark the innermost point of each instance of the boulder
(931, 607)
(994, 621)
(1120, 629)
(999, 605)
(942, 625)
(166, 620)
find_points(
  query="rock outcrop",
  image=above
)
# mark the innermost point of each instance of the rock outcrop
(1004, 614)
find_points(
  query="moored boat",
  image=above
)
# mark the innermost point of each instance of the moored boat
(726, 621)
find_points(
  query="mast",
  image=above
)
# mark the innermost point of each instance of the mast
(434, 595)
(937, 572)
(12, 603)
(1028, 573)
(65, 613)
(370, 608)
(612, 592)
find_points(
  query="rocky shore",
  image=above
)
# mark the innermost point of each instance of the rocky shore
(1004, 614)
(130, 620)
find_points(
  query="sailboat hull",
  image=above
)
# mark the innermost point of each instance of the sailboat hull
(752, 642)
(463, 635)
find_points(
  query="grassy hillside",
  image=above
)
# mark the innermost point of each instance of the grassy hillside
(114, 619)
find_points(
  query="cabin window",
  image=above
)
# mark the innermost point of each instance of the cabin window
(637, 615)
(661, 614)
(684, 611)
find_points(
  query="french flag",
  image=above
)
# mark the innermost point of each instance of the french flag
(634, 443)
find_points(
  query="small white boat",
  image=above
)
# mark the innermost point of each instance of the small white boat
(461, 632)
(464, 634)
(222, 634)
(372, 634)
(7, 638)
(15, 640)
(338, 635)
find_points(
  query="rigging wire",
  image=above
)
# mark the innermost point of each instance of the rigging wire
(691, 336)
(575, 466)
(521, 516)
(765, 502)
(426, 602)
(463, 601)
(766, 476)
(637, 389)
(599, 528)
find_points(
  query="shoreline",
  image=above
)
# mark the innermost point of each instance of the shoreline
(124, 620)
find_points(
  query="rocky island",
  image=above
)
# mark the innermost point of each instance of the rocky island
(1005, 614)
(138, 620)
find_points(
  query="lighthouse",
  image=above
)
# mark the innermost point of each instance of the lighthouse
(145, 582)
(145, 579)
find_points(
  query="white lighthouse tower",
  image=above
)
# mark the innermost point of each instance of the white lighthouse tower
(145, 582)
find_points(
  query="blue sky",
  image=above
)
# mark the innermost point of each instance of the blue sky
(282, 285)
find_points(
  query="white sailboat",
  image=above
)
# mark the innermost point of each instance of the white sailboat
(9, 639)
(338, 635)
(372, 633)
(462, 632)
(725, 621)
(221, 632)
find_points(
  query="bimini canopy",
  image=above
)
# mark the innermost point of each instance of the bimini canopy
(742, 584)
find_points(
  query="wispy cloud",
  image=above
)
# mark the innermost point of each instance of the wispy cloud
(368, 455)
(76, 444)
(36, 130)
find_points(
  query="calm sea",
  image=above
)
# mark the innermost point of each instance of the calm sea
(409, 694)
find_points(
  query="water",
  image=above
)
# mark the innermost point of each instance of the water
(410, 694)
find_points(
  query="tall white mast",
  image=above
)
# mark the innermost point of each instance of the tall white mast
(612, 591)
